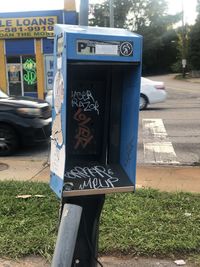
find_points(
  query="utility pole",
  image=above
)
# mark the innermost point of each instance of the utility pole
(111, 14)
(83, 13)
(184, 61)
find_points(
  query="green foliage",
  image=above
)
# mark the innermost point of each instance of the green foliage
(194, 42)
(148, 18)
(100, 13)
(194, 46)
(198, 10)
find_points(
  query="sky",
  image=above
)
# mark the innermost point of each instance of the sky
(24, 5)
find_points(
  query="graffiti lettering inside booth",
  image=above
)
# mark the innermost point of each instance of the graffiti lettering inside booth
(86, 116)
(94, 177)
(85, 102)
(81, 177)
(84, 135)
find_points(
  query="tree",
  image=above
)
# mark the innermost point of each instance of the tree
(99, 15)
(198, 10)
(194, 42)
(148, 18)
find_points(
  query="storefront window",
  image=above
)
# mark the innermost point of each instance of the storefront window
(14, 79)
(13, 59)
(22, 75)
(29, 74)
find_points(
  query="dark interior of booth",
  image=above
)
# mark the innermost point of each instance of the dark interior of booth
(94, 110)
(94, 100)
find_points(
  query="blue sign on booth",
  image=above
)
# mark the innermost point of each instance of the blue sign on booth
(96, 106)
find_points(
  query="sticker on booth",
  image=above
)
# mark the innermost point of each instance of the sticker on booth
(105, 48)
(57, 145)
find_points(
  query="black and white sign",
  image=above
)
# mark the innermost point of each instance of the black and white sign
(105, 48)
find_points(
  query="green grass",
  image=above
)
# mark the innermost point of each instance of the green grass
(146, 223)
(27, 226)
(151, 223)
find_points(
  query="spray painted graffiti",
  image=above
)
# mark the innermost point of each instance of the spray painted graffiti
(85, 100)
(97, 183)
(84, 135)
(95, 177)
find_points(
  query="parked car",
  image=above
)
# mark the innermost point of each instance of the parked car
(49, 97)
(22, 121)
(151, 92)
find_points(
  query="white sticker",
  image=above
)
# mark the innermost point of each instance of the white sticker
(104, 49)
(57, 159)
(58, 90)
(59, 63)
(57, 142)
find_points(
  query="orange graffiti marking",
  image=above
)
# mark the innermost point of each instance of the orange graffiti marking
(84, 135)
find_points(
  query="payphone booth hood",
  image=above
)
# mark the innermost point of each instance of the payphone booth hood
(97, 73)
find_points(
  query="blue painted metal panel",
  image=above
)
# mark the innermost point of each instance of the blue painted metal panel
(72, 44)
(56, 184)
(58, 13)
(75, 33)
(48, 46)
(71, 17)
(129, 121)
(20, 47)
(130, 88)
(56, 181)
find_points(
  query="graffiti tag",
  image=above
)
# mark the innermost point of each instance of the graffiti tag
(84, 135)
(95, 177)
(85, 100)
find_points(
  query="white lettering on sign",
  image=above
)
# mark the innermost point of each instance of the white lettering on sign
(96, 177)
(85, 100)
(95, 183)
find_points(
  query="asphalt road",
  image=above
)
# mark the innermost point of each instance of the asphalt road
(179, 116)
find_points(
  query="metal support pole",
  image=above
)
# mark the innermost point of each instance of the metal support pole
(67, 234)
(183, 43)
(86, 249)
(83, 12)
(111, 14)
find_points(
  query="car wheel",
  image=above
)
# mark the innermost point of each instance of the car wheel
(143, 102)
(8, 140)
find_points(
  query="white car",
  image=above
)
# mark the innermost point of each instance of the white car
(151, 92)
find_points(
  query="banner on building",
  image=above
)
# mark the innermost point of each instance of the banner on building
(29, 27)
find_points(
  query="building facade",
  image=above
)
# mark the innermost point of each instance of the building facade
(26, 49)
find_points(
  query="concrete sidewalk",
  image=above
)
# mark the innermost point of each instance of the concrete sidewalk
(35, 261)
(165, 178)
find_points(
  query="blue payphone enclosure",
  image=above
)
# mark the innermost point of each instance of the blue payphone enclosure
(97, 73)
